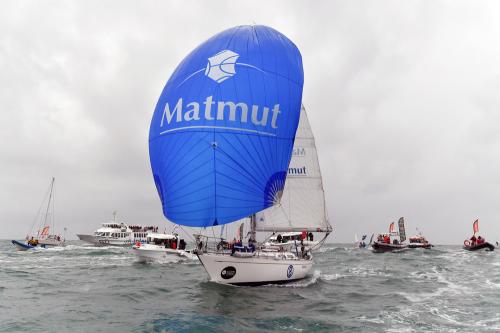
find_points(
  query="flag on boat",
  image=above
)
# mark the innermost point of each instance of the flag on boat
(45, 231)
(402, 231)
(391, 227)
(475, 226)
(222, 132)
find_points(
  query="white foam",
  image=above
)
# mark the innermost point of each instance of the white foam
(330, 277)
(302, 283)
(492, 285)
(375, 320)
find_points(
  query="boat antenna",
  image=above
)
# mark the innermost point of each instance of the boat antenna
(222, 230)
(53, 215)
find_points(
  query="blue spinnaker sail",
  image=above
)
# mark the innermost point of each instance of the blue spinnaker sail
(222, 132)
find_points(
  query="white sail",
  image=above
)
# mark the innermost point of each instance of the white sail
(302, 205)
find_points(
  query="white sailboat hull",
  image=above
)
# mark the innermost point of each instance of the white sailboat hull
(148, 252)
(50, 242)
(256, 270)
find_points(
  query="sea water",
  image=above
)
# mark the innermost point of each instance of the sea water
(82, 288)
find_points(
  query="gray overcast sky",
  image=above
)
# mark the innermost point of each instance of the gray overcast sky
(402, 97)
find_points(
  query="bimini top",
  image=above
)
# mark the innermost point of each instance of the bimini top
(222, 133)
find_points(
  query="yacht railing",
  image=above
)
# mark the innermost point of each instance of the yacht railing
(217, 245)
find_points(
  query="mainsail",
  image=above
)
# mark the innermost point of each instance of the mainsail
(302, 205)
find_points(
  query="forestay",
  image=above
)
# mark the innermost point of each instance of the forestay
(302, 205)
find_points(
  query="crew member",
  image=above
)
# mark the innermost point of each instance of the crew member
(279, 238)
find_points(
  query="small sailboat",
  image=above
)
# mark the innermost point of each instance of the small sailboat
(361, 244)
(393, 241)
(220, 145)
(477, 243)
(44, 237)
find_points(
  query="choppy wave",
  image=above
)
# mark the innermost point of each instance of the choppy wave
(81, 288)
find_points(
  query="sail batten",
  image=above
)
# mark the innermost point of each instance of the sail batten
(302, 206)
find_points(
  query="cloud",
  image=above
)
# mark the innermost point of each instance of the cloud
(401, 96)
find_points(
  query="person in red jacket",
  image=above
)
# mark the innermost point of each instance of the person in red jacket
(387, 239)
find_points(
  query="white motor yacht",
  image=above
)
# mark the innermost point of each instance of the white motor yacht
(116, 233)
(161, 246)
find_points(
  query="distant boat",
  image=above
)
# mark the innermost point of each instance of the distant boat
(115, 233)
(44, 238)
(419, 242)
(393, 241)
(361, 243)
(477, 243)
(161, 246)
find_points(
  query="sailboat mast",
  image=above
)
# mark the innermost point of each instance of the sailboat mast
(48, 203)
(253, 222)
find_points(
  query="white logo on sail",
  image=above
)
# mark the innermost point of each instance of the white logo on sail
(221, 66)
